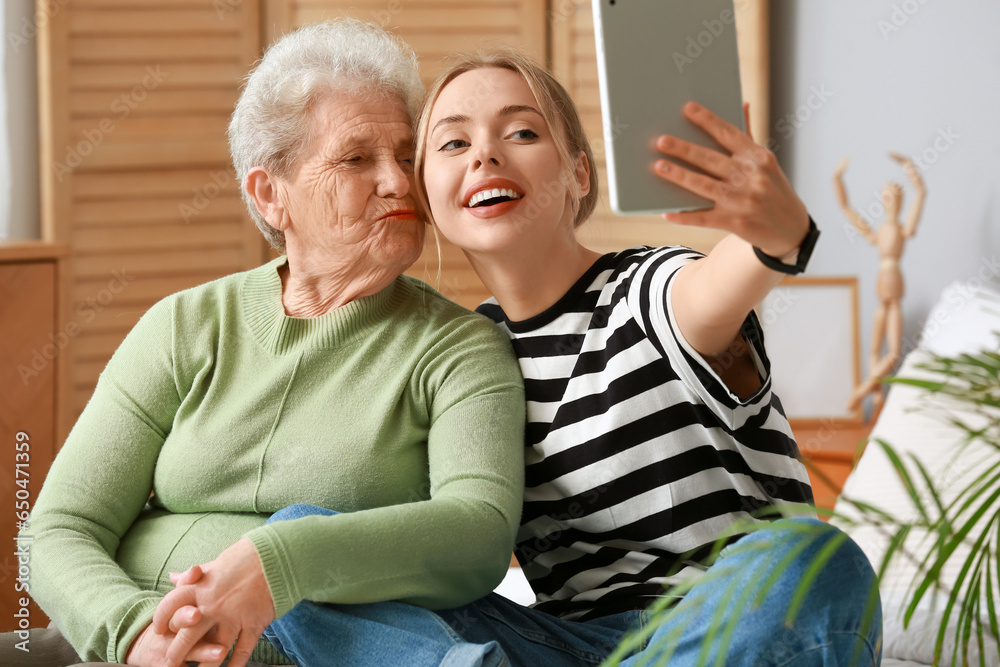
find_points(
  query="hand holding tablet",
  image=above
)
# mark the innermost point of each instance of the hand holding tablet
(749, 194)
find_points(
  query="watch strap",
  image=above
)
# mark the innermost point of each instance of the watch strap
(805, 252)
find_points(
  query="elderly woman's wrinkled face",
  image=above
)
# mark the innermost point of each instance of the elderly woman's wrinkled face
(351, 192)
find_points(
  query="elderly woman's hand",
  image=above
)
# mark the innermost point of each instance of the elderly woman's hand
(150, 649)
(234, 602)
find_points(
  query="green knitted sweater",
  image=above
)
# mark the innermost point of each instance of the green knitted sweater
(401, 410)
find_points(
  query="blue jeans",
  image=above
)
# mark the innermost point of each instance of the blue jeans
(724, 619)
(393, 634)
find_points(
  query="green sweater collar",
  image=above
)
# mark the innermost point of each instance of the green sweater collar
(260, 298)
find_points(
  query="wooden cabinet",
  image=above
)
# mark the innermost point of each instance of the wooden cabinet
(33, 337)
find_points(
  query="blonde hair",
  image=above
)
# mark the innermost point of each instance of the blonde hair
(272, 121)
(555, 104)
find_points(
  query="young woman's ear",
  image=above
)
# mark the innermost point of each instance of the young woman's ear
(581, 171)
(263, 190)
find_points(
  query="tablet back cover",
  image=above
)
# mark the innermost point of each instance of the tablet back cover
(653, 56)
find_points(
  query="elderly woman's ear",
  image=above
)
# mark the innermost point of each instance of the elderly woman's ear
(264, 189)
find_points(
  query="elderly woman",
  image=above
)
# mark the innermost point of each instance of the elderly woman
(324, 378)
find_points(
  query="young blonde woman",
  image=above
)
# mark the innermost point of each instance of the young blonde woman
(652, 428)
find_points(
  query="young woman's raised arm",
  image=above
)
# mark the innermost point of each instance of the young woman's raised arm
(755, 203)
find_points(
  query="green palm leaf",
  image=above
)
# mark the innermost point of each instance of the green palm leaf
(949, 519)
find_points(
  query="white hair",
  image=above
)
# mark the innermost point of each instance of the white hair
(272, 120)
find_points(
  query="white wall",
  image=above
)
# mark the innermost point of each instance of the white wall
(19, 217)
(893, 75)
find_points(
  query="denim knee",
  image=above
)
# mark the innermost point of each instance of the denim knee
(845, 581)
(786, 553)
(815, 539)
(298, 511)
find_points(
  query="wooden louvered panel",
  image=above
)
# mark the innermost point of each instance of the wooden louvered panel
(120, 5)
(153, 263)
(574, 62)
(119, 156)
(435, 29)
(136, 170)
(155, 237)
(89, 48)
(129, 20)
(143, 288)
(174, 129)
(95, 75)
(176, 183)
(142, 102)
(148, 211)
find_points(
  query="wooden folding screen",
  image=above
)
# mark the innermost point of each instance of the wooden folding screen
(136, 177)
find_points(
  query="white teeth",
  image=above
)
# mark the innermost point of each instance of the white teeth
(490, 194)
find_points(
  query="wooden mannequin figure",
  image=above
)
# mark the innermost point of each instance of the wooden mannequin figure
(888, 239)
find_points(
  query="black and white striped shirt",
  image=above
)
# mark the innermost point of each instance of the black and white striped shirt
(638, 456)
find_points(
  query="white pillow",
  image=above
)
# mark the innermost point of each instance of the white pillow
(916, 642)
(964, 319)
(913, 423)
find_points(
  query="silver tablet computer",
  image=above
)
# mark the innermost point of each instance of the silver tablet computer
(652, 57)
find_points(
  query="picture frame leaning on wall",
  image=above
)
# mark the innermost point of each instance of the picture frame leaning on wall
(811, 332)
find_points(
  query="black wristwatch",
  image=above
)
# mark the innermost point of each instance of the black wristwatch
(805, 252)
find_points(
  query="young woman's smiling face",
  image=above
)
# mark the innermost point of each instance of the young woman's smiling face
(492, 172)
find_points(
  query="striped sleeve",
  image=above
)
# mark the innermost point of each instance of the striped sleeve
(649, 299)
